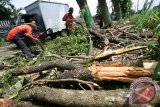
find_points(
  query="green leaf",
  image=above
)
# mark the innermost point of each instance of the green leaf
(157, 69)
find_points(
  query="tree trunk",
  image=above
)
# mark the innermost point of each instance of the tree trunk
(79, 73)
(44, 66)
(77, 98)
(85, 12)
(105, 12)
(83, 98)
(125, 8)
(117, 9)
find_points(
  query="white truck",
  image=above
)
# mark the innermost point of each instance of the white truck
(46, 15)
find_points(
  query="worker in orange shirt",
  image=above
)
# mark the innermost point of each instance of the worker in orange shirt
(25, 31)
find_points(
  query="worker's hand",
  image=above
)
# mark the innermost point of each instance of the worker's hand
(36, 39)
(41, 33)
(75, 20)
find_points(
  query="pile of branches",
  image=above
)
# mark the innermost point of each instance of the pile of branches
(122, 34)
(87, 82)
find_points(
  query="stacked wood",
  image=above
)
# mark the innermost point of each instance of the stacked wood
(121, 34)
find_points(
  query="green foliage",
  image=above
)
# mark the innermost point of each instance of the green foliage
(125, 7)
(5, 9)
(157, 69)
(68, 45)
(149, 19)
(154, 51)
(7, 80)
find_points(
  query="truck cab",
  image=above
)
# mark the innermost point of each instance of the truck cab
(47, 15)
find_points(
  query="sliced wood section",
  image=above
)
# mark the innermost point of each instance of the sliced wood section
(118, 73)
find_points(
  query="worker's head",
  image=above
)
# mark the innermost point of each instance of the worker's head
(71, 10)
(34, 26)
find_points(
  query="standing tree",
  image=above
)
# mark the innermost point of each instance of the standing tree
(103, 8)
(85, 12)
(117, 9)
(121, 8)
(125, 7)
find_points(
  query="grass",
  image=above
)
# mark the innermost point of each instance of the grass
(150, 20)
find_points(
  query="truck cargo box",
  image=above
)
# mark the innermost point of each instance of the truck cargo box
(50, 14)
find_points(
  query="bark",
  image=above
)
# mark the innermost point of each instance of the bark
(80, 73)
(44, 66)
(77, 98)
(105, 12)
(85, 12)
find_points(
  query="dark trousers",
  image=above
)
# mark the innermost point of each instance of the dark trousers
(68, 31)
(21, 44)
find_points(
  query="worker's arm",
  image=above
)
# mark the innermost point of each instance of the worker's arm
(73, 20)
(30, 36)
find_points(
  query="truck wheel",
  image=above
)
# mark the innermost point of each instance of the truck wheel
(53, 36)
(63, 32)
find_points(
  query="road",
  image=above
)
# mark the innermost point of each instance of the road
(8, 50)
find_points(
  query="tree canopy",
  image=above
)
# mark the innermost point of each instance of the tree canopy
(6, 9)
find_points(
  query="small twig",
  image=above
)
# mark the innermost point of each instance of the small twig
(79, 57)
(90, 46)
(90, 84)
(81, 86)
(55, 55)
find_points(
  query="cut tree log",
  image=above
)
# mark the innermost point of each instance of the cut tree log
(108, 72)
(76, 98)
(81, 98)
(122, 73)
(60, 64)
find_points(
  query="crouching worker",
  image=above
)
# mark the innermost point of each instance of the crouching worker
(16, 34)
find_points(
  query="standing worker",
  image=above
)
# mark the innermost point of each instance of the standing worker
(25, 31)
(68, 17)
